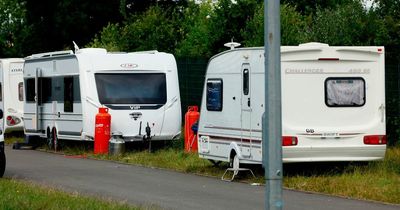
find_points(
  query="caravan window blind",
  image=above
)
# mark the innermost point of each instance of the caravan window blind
(214, 94)
(345, 92)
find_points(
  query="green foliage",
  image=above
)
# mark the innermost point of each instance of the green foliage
(293, 27)
(13, 27)
(228, 20)
(156, 29)
(22, 195)
(310, 6)
(348, 24)
(109, 38)
(55, 24)
(389, 12)
(197, 31)
(354, 180)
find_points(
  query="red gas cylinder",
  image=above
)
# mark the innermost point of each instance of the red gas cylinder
(191, 117)
(102, 131)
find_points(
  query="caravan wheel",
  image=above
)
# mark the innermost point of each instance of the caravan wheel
(234, 162)
(2, 163)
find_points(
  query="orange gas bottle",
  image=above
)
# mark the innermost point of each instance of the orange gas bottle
(191, 117)
(102, 131)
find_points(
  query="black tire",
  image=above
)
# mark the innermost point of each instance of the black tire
(2, 163)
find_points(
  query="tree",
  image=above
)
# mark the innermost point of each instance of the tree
(293, 27)
(109, 38)
(156, 29)
(56, 24)
(197, 31)
(13, 28)
(389, 11)
(135, 7)
(307, 7)
(348, 24)
(228, 20)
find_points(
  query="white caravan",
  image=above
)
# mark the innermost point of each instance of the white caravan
(11, 89)
(333, 104)
(64, 91)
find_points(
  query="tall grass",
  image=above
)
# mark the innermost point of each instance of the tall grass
(379, 181)
(22, 195)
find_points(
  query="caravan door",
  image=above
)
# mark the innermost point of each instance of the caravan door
(246, 134)
(35, 120)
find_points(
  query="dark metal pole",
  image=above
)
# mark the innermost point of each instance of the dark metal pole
(272, 127)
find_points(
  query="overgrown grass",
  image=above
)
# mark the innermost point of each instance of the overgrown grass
(23, 195)
(13, 138)
(379, 181)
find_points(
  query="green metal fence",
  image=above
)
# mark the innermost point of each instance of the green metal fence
(191, 79)
(392, 72)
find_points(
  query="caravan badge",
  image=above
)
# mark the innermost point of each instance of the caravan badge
(129, 65)
(135, 115)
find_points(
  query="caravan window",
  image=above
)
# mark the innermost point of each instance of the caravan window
(68, 94)
(20, 91)
(345, 92)
(246, 82)
(53, 89)
(30, 89)
(214, 94)
(46, 89)
(137, 88)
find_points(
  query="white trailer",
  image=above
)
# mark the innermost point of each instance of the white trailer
(333, 104)
(12, 93)
(64, 91)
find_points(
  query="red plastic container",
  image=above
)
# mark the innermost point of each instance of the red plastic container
(102, 131)
(191, 117)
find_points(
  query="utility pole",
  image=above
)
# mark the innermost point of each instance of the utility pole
(272, 119)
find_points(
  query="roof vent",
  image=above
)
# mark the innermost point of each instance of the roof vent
(232, 44)
(314, 44)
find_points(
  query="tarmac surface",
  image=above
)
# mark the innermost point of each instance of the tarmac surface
(156, 187)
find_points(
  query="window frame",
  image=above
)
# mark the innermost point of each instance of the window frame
(221, 95)
(1, 91)
(68, 93)
(246, 81)
(29, 89)
(21, 91)
(100, 88)
(344, 78)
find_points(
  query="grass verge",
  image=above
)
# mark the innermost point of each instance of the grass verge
(22, 195)
(378, 181)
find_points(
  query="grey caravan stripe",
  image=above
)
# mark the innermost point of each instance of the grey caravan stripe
(134, 107)
(34, 131)
(47, 113)
(69, 133)
(208, 155)
(233, 129)
(52, 119)
(225, 143)
(225, 138)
